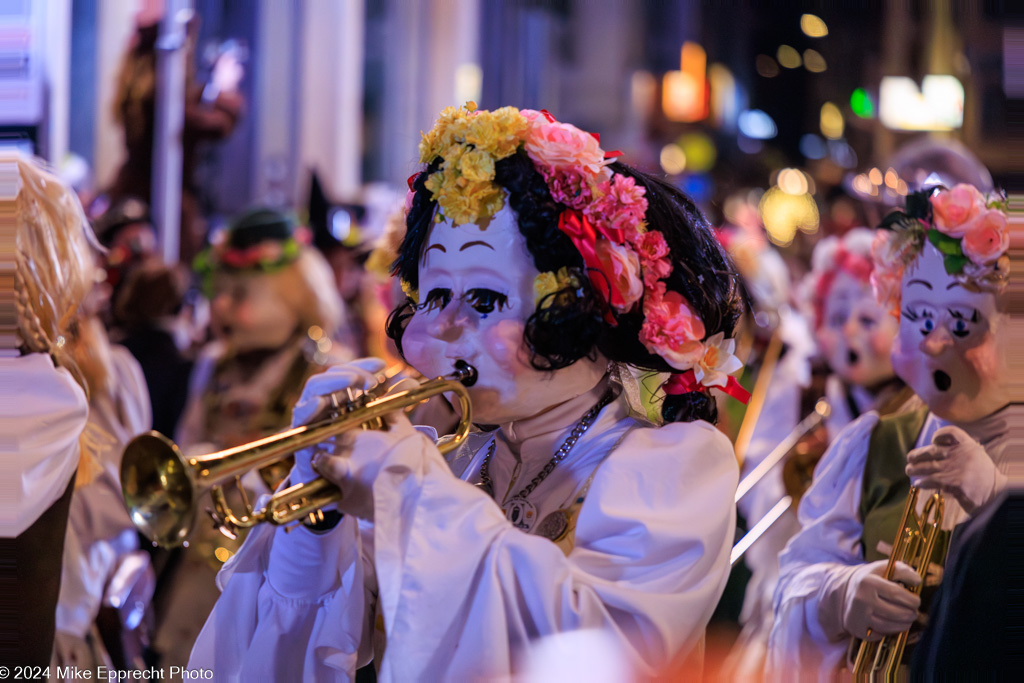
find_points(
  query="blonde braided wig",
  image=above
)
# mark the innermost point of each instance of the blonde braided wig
(52, 259)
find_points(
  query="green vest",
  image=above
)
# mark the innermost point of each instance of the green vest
(884, 493)
(886, 485)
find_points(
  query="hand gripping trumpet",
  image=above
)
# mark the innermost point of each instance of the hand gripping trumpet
(162, 487)
(915, 540)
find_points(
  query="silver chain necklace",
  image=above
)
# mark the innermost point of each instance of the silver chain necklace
(518, 509)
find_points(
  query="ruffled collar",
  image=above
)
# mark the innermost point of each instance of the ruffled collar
(537, 437)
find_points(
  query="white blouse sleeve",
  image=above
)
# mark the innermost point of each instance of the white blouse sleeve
(462, 592)
(294, 606)
(806, 641)
(42, 414)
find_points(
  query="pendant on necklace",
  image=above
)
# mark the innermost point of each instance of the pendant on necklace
(521, 513)
(555, 525)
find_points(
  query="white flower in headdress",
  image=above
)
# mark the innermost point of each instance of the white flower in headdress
(718, 361)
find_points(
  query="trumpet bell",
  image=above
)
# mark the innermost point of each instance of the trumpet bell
(159, 489)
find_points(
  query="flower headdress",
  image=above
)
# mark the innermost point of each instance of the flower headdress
(850, 254)
(261, 240)
(968, 228)
(603, 217)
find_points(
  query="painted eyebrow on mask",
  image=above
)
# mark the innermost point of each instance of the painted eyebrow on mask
(951, 285)
(434, 246)
(920, 282)
(475, 243)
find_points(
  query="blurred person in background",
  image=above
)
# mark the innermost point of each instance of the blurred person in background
(126, 231)
(585, 514)
(211, 113)
(44, 400)
(941, 269)
(344, 235)
(274, 308)
(103, 565)
(273, 304)
(854, 334)
(154, 328)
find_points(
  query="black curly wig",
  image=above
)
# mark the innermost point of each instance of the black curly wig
(571, 325)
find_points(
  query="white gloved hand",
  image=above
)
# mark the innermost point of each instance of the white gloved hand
(872, 602)
(359, 375)
(956, 464)
(358, 460)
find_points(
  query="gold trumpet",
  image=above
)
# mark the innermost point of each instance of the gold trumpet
(880, 659)
(162, 487)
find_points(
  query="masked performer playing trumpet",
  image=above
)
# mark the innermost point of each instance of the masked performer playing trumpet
(552, 270)
(942, 267)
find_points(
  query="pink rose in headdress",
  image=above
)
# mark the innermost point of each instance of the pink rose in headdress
(672, 329)
(568, 186)
(622, 205)
(986, 237)
(561, 145)
(953, 209)
(621, 266)
(653, 251)
(531, 115)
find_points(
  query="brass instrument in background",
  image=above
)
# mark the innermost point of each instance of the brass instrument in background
(790, 446)
(914, 543)
(162, 487)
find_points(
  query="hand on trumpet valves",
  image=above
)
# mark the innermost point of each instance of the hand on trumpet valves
(957, 465)
(324, 393)
(872, 602)
(359, 457)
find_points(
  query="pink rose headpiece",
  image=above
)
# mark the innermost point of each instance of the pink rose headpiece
(849, 254)
(968, 228)
(603, 217)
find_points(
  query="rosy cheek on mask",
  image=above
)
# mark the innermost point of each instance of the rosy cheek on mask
(504, 345)
(984, 360)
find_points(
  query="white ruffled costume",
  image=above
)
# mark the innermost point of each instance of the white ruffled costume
(42, 414)
(456, 592)
(100, 534)
(807, 642)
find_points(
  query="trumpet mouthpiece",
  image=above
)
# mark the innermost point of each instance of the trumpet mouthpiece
(468, 373)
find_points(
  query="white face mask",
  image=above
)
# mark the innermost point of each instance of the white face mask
(857, 333)
(951, 347)
(248, 312)
(476, 294)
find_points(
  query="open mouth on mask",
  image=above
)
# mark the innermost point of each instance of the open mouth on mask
(852, 357)
(942, 380)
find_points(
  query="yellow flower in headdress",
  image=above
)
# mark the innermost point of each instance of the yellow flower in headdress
(477, 165)
(409, 291)
(546, 284)
(470, 143)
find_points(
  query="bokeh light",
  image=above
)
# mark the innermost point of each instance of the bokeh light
(813, 146)
(766, 66)
(756, 124)
(814, 62)
(792, 181)
(783, 214)
(673, 159)
(788, 57)
(861, 104)
(813, 26)
(699, 150)
(831, 121)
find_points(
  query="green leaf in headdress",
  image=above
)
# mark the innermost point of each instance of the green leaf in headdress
(954, 264)
(948, 246)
